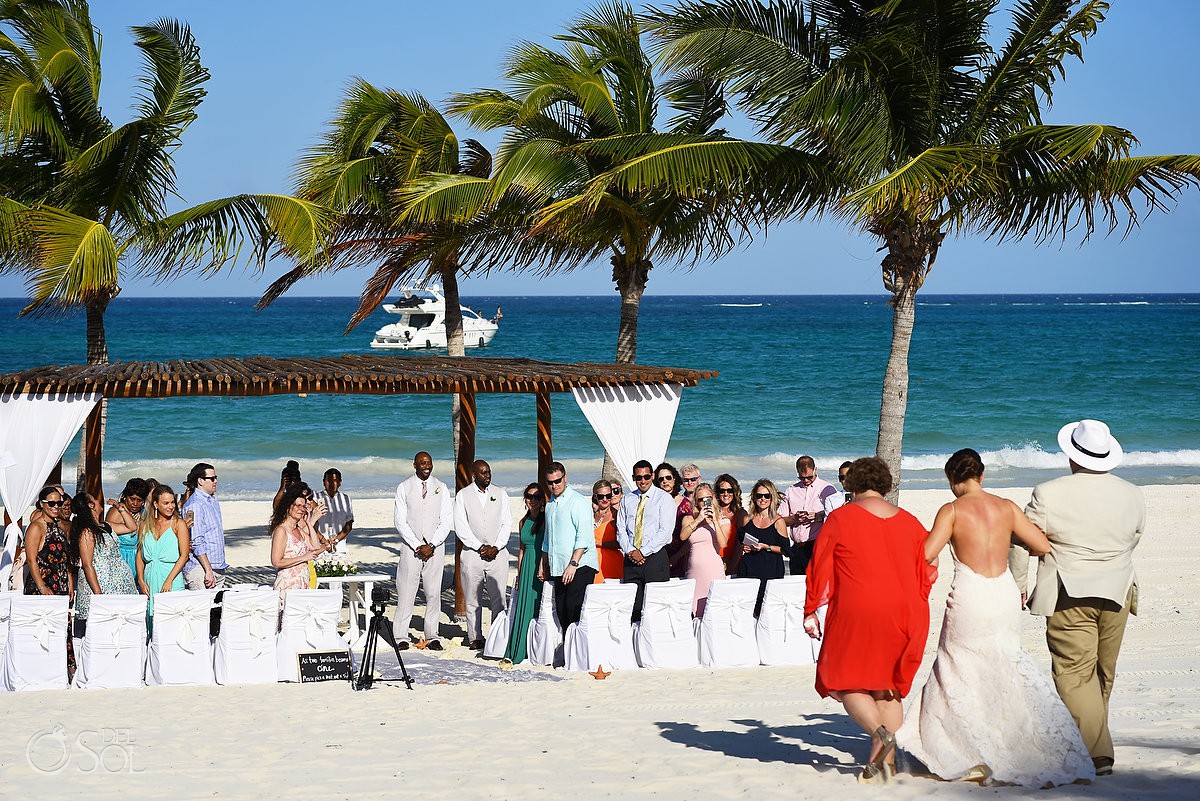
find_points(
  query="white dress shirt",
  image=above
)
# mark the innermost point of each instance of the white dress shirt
(489, 506)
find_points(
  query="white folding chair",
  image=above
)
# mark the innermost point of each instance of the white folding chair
(36, 655)
(12, 535)
(544, 638)
(666, 635)
(780, 627)
(5, 610)
(497, 637)
(181, 650)
(309, 623)
(604, 634)
(245, 652)
(727, 628)
(113, 652)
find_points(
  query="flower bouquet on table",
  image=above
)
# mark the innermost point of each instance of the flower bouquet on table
(333, 566)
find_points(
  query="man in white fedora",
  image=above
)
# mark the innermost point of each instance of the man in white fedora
(1086, 587)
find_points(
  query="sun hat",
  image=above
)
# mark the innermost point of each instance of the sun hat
(1090, 445)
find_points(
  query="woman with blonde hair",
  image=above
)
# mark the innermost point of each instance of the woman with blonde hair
(764, 539)
(163, 545)
(704, 536)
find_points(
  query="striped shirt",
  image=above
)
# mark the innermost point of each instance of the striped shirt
(208, 531)
(339, 513)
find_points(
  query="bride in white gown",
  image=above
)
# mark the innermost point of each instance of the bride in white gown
(987, 713)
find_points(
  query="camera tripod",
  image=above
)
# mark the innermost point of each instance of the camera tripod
(378, 630)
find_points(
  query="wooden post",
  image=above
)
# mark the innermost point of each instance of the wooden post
(93, 459)
(545, 445)
(462, 477)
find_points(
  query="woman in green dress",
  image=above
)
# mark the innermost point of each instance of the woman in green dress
(163, 544)
(528, 592)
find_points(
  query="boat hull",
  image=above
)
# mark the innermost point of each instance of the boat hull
(401, 337)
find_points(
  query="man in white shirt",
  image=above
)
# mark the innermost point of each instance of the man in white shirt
(424, 515)
(839, 499)
(645, 523)
(338, 521)
(482, 523)
(803, 511)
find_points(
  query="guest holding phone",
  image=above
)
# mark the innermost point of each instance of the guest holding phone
(704, 536)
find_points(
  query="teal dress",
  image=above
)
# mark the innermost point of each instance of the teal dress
(528, 593)
(160, 556)
(128, 543)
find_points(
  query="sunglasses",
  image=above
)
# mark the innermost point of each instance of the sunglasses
(724, 490)
(54, 504)
(642, 476)
(664, 479)
(599, 497)
(532, 496)
(690, 479)
(807, 478)
(761, 496)
(842, 477)
(616, 490)
(209, 478)
(554, 482)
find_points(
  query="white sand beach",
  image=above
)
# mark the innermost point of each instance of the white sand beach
(699, 734)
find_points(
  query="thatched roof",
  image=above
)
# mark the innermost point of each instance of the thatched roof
(367, 374)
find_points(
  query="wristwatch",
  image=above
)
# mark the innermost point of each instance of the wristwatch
(573, 563)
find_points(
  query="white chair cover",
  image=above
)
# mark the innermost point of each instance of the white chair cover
(12, 536)
(604, 634)
(36, 655)
(727, 628)
(780, 628)
(5, 609)
(497, 637)
(666, 635)
(181, 651)
(113, 653)
(544, 639)
(245, 652)
(309, 623)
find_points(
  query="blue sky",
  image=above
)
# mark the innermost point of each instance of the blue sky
(279, 68)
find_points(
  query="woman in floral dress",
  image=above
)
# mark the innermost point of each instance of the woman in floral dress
(49, 565)
(291, 551)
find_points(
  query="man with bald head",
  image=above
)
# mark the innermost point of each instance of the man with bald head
(482, 523)
(423, 516)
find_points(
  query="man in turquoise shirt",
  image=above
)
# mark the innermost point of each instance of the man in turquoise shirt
(570, 556)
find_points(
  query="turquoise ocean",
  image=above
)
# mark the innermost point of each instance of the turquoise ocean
(798, 374)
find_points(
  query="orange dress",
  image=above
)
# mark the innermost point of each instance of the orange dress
(872, 573)
(612, 561)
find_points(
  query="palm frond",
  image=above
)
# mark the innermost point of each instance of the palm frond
(76, 258)
(172, 85)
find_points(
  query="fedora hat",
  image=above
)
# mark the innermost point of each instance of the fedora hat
(1090, 445)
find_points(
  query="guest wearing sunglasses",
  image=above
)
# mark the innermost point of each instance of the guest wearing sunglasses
(668, 479)
(731, 516)
(705, 536)
(612, 562)
(764, 539)
(527, 594)
(206, 563)
(569, 556)
(645, 523)
(47, 543)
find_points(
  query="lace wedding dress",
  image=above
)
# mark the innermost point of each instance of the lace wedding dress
(987, 711)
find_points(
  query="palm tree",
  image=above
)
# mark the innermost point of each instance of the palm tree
(81, 199)
(928, 131)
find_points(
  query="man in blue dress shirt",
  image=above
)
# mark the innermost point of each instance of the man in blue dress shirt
(645, 523)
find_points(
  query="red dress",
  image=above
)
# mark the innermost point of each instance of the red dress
(872, 573)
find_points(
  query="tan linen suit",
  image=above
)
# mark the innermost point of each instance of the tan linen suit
(1086, 588)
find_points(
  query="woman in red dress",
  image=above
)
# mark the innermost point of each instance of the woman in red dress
(869, 566)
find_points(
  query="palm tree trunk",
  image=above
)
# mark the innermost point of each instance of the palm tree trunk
(631, 277)
(97, 353)
(455, 347)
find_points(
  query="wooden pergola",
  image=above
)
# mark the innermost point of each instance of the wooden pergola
(367, 374)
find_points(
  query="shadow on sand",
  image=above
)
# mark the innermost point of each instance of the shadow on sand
(824, 742)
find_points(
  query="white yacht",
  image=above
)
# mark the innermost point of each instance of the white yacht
(422, 322)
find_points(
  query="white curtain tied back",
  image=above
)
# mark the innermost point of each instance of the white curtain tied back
(632, 422)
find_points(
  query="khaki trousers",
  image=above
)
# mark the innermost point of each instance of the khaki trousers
(1084, 637)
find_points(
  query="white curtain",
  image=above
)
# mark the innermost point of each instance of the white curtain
(34, 433)
(633, 422)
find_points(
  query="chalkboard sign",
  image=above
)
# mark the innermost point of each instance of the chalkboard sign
(324, 666)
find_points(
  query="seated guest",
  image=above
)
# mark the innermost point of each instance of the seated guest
(338, 521)
(527, 594)
(645, 521)
(612, 562)
(163, 547)
(124, 516)
(101, 568)
(48, 548)
(764, 538)
(291, 550)
(732, 516)
(704, 537)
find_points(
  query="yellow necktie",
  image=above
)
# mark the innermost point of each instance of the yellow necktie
(637, 523)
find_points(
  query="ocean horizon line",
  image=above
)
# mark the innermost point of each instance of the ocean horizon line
(649, 293)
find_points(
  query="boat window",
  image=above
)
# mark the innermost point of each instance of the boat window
(420, 320)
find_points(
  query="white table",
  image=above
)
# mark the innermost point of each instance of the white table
(354, 636)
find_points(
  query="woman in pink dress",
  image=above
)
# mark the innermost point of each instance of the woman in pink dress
(291, 550)
(704, 536)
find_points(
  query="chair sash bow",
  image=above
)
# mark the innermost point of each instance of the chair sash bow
(737, 609)
(190, 616)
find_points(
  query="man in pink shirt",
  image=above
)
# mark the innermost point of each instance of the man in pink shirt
(803, 511)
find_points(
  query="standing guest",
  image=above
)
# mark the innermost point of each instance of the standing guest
(803, 510)
(608, 550)
(424, 514)
(668, 479)
(289, 475)
(338, 521)
(705, 536)
(483, 524)
(48, 561)
(869, 567)
(645, 522)
(163, 546)
(569, 557)
(763, 538)
(1086, 587)
(206, 564)
(124, 517)
(527, 594)
(291, 551)
(64, 521)
(102, 570)
(732, 515)
(689, 479)
(839, 499)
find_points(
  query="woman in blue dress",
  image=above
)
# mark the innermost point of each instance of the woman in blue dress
(124, 517)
